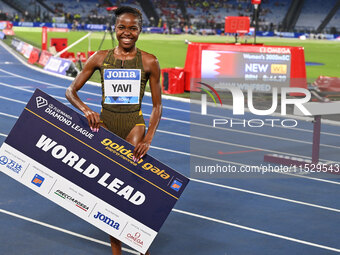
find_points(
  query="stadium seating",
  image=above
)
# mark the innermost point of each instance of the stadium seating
(274, 11)
(271, 11)
(313, 13)
(169, 11)
(197, 14)
(7, 10)
(83, 8)
(335, 23)
(135, 4)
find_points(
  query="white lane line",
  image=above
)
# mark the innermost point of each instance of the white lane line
(234, 130)
(265, 124)
(27, 90)
(249, 191)
(63, 230)
(215, 141)
(13, 100)
(97, 105)
(235, 163)
(186, 122)
(166, 107)
(257, 231)
(268, 196)
(199, 156)
(9, 115)
(248, 133)
(232, 144)
(46, 83)
(147, 93)
(37, 69)
(177, 211)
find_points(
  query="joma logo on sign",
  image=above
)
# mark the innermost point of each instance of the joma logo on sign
(239, 105)
(120, 74)
(107, 220)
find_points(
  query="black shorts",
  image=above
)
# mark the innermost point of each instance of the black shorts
(121, 123)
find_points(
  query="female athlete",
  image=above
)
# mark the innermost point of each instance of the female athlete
(121, 102)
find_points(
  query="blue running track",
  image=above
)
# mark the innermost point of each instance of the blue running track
(281, 215)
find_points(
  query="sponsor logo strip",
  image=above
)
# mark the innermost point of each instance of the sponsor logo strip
(71, 199)
(99, 213)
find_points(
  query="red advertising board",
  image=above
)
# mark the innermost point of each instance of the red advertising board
(8, 32)
(6, 27)
(5, 24)
(34, 56)
(44, 56)
(260, 62)
(173, 80)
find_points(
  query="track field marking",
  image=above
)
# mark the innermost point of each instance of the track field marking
(244, 190)
(177, 211)
(199, 156)
(166, 107)
(266, 195)
(9, 50)
(9, 115)
(255, 148)
(236, 152)
(265, 124)
(28, 90)
(236, 144)
(194, 123)
(97, 105)
(13, 100)
(214, 159)
(257, 230)
(46, 83)
(213, 141)
(62, 230)
(248, 133)
(210, 218)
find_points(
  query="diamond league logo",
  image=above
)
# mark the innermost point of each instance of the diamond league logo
(41, 102)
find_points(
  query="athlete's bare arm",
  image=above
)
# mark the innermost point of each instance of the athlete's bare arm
(151, 67)
(92, 64)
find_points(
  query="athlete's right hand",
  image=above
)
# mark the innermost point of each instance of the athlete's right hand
(93, 119)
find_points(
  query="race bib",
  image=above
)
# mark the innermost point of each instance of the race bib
(122, 86)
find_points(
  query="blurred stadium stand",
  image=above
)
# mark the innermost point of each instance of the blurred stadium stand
(175, 16)
(6, 12)
(313, 13)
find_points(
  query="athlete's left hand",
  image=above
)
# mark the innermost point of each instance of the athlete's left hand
(141, 149)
